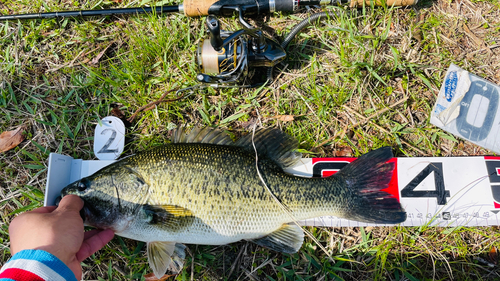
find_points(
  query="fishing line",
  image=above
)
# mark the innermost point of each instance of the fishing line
(285, 208)
(117, 193)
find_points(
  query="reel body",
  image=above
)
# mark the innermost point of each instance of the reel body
(236, 59)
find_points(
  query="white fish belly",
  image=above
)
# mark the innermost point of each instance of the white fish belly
(213, 232)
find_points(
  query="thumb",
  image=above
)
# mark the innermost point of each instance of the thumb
(70, 203)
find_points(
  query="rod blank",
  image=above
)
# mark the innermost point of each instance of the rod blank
(88, 13)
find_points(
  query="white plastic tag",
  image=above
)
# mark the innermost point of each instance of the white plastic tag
(109, 138)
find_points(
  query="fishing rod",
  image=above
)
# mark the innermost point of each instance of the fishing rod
(243, 58)
(196, 8)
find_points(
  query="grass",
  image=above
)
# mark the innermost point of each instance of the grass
(59, 77)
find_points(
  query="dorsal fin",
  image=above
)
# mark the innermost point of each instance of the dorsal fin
(201, 135)
(271, 143)
(274, 144)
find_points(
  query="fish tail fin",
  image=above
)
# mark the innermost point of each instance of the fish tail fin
(366, 177)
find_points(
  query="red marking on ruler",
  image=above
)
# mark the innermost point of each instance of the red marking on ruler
(326, 174)
(491, 158)
(335, 159)
(497, 206)
(393, 187)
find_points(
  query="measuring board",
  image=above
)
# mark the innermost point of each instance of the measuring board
(437, 191)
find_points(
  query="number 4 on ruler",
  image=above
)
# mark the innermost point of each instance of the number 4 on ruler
(440, 192)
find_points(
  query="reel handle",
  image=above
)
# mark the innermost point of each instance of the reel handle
(213, 27)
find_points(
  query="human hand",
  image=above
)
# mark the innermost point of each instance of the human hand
(59, 231)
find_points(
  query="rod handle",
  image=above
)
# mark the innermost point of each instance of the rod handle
(197, 8)
(359, 3)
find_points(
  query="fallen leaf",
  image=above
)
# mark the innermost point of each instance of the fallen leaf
(284, 118)
(11, 139)
(344, 151)
(480, 44)
(248, 125)
(116, 112)
(98, 57)
(494, 255)
(152, 277)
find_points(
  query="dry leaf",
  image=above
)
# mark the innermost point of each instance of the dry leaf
(115, 111)
(284, 118)
(343, 151)
(98, 57)
(493, 254)
(11, 139)
(249, 124)
(152, 277)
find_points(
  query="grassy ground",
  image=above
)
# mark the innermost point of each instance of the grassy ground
(360, 80)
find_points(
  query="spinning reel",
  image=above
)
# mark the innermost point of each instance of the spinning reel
(237, 59)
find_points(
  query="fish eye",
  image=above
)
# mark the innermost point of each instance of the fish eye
(82, 185)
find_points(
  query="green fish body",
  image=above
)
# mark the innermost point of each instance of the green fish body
(205, 189)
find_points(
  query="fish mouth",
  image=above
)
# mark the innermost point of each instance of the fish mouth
(86, 211)
(58, 200)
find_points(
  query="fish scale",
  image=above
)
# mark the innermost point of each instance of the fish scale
(229, 197)
(205, 189)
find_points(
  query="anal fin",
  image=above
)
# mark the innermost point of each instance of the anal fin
(163, 256)
(288, 239)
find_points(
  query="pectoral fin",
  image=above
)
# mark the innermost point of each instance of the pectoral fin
(288, 239)
(175, 218)
(165, 255)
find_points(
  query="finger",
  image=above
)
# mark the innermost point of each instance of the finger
(94, 243)
(71, 203)
(90, 233)
(44, 210)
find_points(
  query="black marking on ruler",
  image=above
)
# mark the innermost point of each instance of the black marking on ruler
(320, 166)
(440, 192)
(493, 167)
(446, 216)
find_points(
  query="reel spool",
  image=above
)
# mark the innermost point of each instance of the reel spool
(235, 59)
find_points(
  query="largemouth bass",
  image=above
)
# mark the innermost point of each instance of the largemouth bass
(203, 188)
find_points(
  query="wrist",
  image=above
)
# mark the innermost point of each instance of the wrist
(60, 255)
(39, 262)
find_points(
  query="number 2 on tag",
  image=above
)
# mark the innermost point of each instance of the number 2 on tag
(109, 138)
(105, 148)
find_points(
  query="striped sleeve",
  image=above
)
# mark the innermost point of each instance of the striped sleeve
(35, 265)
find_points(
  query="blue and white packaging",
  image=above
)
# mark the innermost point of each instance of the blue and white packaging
(468, 107)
